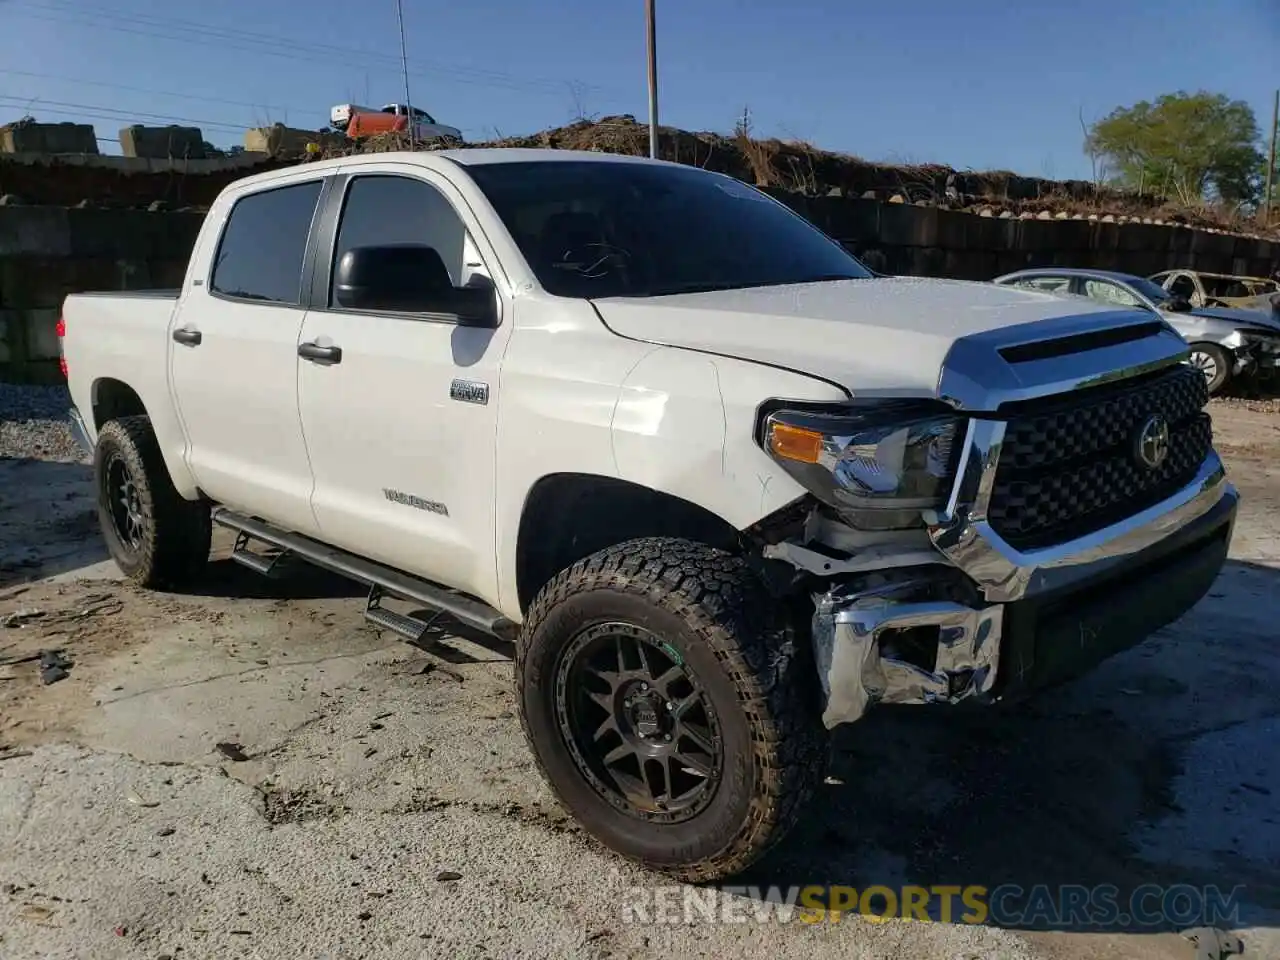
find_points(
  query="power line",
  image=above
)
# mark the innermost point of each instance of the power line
(185, 31)
(155, 93)
(63, 108)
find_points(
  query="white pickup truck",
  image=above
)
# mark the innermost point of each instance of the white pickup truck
(425, 126)
(723, 489)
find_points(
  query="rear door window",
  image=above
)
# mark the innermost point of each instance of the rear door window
(260, 255)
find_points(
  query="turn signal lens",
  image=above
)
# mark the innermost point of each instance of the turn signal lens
(795, 443)
(878, 463)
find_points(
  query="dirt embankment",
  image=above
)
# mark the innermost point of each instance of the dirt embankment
(783, 165)
(800, 167)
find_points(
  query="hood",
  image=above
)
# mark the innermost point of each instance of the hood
(882, 337)
(1247, 318)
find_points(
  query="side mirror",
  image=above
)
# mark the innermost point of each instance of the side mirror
(1178, 305)
(409, 278)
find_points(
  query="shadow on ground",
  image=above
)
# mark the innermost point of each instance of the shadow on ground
(1162, 767)
(292, 580)
(296, 579)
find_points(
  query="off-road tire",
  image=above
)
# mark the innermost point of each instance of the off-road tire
(173, 546)
(1221, 360)
(709, 606)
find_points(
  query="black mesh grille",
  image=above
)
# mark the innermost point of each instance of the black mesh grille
(1070, 466)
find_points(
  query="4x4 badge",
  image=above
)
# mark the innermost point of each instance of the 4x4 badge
(469, 391)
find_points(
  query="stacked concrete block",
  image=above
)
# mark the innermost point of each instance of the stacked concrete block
(278, 140)
(162, 143)
(27, 136)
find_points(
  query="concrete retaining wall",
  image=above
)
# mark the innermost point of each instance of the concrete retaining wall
(903, 238)
(49, 252)
(66, 181)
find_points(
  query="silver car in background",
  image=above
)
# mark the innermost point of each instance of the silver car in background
(1225, 343)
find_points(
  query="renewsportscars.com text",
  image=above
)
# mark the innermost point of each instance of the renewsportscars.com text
(1062, 906)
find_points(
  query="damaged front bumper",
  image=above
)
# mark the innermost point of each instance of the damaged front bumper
(1033, 618)
(863, 647)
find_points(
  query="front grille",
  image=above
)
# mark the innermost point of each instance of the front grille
(1070, 465)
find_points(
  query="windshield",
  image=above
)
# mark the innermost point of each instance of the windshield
(600, 229)
(1150, 289)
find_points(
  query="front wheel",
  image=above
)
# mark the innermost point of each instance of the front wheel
(1214, 363)
(668, 709)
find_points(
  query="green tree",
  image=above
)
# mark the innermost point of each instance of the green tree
(1188, 145)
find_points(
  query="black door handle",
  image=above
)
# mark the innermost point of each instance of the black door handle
(191, 338)
(318, 354)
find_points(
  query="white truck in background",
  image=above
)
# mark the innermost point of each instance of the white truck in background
(722, 489)
(382, 120)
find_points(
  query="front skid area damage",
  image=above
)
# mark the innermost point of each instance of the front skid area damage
(900, 643)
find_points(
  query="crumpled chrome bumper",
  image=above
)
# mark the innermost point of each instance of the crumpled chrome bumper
(858, 636)
(859, 665)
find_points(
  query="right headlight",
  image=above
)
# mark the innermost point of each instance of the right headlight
(879, 464)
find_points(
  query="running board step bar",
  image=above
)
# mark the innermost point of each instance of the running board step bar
(408, 628)
(381, 580)
(265, 565)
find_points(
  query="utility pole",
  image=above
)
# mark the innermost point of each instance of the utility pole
(404, 65)
(653, 77)
(1271, 161)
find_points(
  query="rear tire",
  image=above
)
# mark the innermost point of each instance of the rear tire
(715, 700)
(1214, 363)
(155, 537)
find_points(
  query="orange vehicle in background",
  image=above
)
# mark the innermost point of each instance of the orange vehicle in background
(357, 121)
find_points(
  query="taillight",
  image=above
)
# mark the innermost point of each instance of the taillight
(61, 330)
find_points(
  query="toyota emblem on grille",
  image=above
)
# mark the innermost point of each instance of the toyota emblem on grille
(1151, 446)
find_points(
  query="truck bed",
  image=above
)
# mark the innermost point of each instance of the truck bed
(121, 336)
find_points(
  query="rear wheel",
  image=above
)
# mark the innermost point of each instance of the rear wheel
(667, 708)
(1213, 362)
(155, 537)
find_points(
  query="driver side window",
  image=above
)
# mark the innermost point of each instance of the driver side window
(1108, 292)
(383, 210)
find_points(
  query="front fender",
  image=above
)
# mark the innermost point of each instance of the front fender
(684, 424)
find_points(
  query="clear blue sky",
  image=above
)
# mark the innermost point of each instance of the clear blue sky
(982, 84)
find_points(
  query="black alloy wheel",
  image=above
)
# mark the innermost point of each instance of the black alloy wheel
(640, 727)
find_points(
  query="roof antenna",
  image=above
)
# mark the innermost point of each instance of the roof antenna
(404, 64)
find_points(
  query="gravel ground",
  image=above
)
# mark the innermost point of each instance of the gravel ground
(34, 424)
(384, 805)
